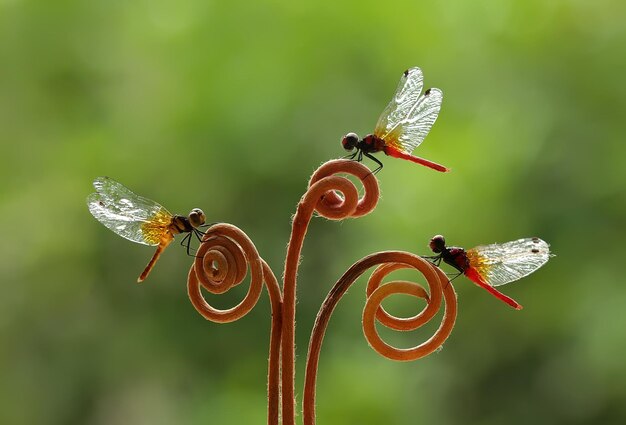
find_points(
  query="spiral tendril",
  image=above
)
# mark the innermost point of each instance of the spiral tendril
(439, 287)
(333, 197)
(335, 207)
(221, 263)
(226, 254)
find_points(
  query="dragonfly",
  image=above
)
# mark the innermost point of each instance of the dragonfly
(403, 125)
(141, 220)
(493, 265)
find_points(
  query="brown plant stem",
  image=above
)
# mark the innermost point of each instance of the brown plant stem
(221, 263)
(273, 369)
(389, 261)
(320, 197)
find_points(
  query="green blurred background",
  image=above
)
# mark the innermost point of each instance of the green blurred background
(230, 106)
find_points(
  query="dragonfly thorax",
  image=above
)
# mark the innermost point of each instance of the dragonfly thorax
(371, 143)
(182, 224)
(454, 256)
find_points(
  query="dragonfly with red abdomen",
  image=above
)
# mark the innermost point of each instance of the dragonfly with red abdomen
(493, 265)
(141, 220)
(403, 125)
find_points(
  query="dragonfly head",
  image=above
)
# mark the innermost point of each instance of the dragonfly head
(349, 141)
(437, 244)
(196, 217)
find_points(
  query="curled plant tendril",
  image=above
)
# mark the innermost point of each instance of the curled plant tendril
(222, 262)
(333, 197)
(387, 262)
(334, 207)
(438, 285)
(226, 254)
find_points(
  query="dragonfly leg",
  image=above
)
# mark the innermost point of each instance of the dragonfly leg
(373, 158)
(450, 280)
(186, 241)
(351, 155)
(199, 234)
(455, 275)
(431, 257)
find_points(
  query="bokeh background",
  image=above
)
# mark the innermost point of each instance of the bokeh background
(230, 106)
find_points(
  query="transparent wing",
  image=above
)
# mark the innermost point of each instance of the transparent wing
(408, 118)
(407, 94)
(131, 216)
(499, 264)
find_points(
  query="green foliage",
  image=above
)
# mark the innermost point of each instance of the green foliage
(229, 106)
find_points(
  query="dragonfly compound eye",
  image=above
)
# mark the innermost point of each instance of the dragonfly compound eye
(437, 244)
(350, 141)
(197, 217)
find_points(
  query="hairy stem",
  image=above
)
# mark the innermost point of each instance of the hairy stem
(321, 197)
(273, 370)
(300, 225)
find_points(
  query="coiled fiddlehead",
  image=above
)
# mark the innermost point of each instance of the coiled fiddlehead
(226, 254)
(222, 262)
(439, 287)
(334, 197)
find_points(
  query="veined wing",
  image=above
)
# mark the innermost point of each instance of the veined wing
(409, 116)
(406, 96)
(131, 216)
(499, 264)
